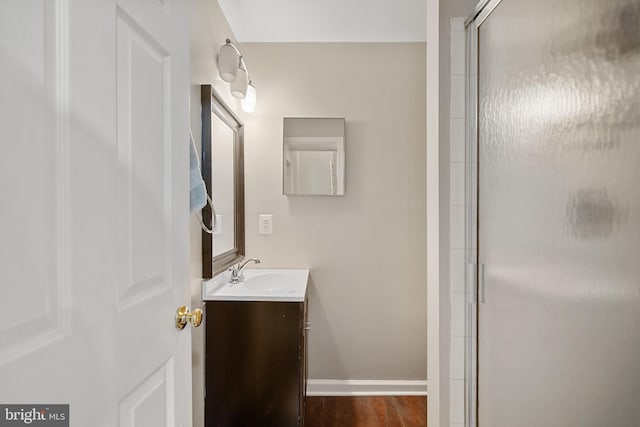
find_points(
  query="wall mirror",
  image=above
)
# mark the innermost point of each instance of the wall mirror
(223, 173)
(313, 157)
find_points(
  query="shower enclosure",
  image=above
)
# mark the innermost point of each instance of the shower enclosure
(554, 212)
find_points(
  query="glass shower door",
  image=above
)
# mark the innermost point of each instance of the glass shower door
(559, 213)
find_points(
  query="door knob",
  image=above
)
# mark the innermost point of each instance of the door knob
(184, 316)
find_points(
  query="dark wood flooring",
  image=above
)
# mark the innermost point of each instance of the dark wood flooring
(366, 411)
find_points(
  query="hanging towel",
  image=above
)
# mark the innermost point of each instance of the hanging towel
(197, 189)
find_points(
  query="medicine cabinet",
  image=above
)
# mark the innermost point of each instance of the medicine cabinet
(313, 156)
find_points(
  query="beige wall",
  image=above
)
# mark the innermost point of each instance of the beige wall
(367, 249)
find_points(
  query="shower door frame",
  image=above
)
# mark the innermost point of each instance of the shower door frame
(472, 276)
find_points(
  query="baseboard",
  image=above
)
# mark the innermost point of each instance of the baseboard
(366, 388)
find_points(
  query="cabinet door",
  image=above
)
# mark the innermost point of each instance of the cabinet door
(252, 364)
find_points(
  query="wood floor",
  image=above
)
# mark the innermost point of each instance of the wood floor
(366, 411)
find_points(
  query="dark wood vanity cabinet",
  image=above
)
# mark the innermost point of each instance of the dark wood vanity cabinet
(255, 363)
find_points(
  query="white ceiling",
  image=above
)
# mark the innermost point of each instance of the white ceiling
(326, 20)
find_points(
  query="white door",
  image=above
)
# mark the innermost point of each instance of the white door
(94, 209)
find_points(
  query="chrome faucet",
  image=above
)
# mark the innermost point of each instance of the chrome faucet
(238, 269)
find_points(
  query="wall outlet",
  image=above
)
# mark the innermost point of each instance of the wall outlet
(265, 224)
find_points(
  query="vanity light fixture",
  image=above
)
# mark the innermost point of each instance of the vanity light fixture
(233, 69)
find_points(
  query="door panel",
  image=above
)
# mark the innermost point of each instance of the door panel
(94, 218)
(151, 403)
(559, 214)
(33, 81)
(143, 147)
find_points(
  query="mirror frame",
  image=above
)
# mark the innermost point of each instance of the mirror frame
(212, 104)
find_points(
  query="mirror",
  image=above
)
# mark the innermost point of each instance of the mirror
(223, 173)
(313, 157)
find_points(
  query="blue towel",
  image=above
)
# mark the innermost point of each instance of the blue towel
(197, 189)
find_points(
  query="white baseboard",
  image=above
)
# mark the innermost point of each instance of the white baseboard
(366, 388)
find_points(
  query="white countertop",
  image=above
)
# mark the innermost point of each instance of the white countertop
(261, 284)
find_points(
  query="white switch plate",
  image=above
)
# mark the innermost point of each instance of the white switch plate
(265, 224)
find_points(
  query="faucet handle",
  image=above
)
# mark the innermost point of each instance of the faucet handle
(237, 270)
(236, 273)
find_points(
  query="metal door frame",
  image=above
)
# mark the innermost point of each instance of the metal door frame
(472, 325)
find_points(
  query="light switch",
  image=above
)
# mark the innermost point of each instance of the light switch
(265, 224)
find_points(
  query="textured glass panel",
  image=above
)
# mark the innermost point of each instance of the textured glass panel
(559, 214)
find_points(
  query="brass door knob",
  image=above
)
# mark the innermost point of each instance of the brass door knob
(184, 316)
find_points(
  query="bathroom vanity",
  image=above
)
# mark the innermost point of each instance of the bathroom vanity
(255, 350)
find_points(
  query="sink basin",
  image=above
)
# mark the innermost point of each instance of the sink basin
(268, 282)
(263, 284)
